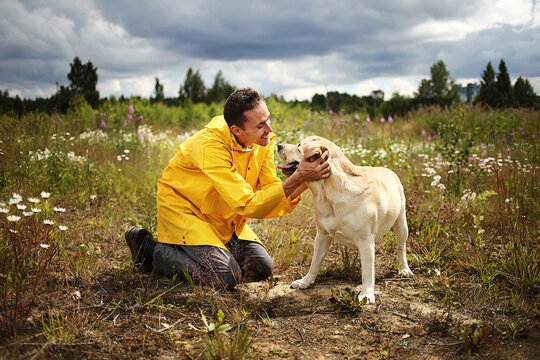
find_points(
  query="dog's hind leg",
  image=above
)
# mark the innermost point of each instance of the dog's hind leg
(366, 248)
(401, 231)
(320, 247)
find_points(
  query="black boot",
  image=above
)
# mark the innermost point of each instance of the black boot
(138, 242)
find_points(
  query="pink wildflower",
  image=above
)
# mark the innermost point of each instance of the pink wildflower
(331, 112)
(390, 119)
(357, 117)
(103, 124)
(423, 133)
(131, 108)
(382, 120)
(368, 119)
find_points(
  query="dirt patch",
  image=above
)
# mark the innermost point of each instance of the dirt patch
(127, 314)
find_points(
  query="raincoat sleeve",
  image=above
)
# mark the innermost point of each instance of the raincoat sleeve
(215, 161)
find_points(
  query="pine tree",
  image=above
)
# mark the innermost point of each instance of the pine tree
(524, 95)
(158, 92)
(84, 80)
(488, 90)
(220, 90)
(505, 92)
(193, 87)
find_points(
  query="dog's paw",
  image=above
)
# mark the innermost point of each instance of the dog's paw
(299, 284)
(405, 272)
(370, 298)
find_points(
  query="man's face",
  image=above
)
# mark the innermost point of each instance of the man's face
(256, 129)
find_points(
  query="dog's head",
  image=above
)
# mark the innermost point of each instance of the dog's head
(311, 148)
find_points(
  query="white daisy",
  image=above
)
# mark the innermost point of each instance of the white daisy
(36, 210)
(45, 195)
(45, 246)
(59, 209)
(33, 200)
(13, 218)
(48, 222)
(28, 213)
(21, 207)
(62, 227)
(4, 210)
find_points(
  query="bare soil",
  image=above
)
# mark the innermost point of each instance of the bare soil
(127, 314)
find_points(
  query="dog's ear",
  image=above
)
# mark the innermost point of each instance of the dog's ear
(317, 154)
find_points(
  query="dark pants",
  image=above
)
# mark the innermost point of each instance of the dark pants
(244, 262)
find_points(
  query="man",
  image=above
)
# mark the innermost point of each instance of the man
(219, 178)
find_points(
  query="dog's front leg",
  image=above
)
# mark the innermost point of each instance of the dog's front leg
(367, 259)
(320, 247)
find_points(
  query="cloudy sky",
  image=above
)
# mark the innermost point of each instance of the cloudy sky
(291, 48)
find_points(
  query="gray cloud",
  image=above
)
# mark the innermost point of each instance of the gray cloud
(276, 45)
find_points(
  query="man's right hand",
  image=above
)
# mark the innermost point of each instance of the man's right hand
(314, 170)
(308, 171)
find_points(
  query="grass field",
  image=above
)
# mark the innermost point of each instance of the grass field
(71, 184)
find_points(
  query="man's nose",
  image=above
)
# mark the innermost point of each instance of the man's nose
(279, 147)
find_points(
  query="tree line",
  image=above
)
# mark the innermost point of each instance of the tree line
(496, 90)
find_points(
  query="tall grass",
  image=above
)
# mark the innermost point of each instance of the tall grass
(470, 176)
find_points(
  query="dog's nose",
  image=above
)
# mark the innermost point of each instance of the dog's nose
(279, 147)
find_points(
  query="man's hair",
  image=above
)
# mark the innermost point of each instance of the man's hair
(239, 101)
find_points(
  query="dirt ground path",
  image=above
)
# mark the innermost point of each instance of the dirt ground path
(407, 323)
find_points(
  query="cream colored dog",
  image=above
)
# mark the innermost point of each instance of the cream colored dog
(355, 206)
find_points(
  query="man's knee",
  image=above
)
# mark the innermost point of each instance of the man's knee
(210, 266)
(266, 268)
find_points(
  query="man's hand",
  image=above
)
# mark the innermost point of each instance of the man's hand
(307, 171)
(315, 170)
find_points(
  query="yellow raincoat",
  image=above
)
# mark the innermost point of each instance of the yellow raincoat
(213, 185)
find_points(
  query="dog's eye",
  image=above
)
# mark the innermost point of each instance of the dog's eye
(298, 146)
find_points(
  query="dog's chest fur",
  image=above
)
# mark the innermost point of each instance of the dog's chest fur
(333, 212)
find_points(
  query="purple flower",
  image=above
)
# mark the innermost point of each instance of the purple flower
(331, 112)
(131, 108)
(140, 118)
(483, 153)
(368, 119)
(429, 138)
(130, 116)
(471, 158)
(125, 123)
(504, 140)
(390, 120)
(103, 124)
(357, 117)
(423, 133)
(382, 120)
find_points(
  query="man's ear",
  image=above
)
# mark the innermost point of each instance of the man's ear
(235, 130)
